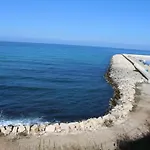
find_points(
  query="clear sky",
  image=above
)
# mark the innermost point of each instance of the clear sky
(125, 22)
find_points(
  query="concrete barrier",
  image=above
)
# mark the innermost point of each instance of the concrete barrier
(139, 67)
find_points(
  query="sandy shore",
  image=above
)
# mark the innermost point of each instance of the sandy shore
(102, 131)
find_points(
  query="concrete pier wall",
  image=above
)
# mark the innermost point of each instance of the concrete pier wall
(138, 65)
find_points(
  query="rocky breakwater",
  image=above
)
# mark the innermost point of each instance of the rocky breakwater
(123, 76)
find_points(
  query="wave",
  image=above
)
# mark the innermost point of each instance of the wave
(19, 122)
(5, 121)
(25, 121)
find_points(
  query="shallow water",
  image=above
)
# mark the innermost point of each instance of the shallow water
(49, 82)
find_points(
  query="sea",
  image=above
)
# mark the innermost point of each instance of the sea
(53, 82)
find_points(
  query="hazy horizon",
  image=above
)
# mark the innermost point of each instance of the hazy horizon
(77, 43)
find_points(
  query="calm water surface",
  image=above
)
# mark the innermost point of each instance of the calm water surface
(49, 82)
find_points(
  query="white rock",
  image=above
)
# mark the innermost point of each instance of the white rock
(28, 129)
(72, 125)
(100, 120)
(82, 125)
(15, 130)
(42, 127)
(6, 130)
(64, 127)
(21, 129)
(57, 127)
(3, 130)
(50, 128)
(34, 129)
(77, 126)
(88, 126)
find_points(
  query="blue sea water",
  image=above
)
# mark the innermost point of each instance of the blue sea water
(53, 83)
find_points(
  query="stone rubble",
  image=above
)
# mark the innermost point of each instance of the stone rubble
(123, 74)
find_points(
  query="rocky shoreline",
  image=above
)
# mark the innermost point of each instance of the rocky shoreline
(123, 78)
(116, 95)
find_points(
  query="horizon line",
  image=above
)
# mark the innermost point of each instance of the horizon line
(76, 44)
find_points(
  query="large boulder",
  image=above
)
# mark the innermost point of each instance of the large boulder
(42, 127)
(64, 127)
(82, 125)
(34, 129)
(28, 129)
(50, 128)
(6, 130)
(9, 128)
(57, 127)
(15, 130)
(72, 126)
(100, 121)
(77, 126)
(2, 130)
(88, 126)
(22, 130)
(94, 123)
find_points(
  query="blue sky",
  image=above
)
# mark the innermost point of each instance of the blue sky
(93, 22)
